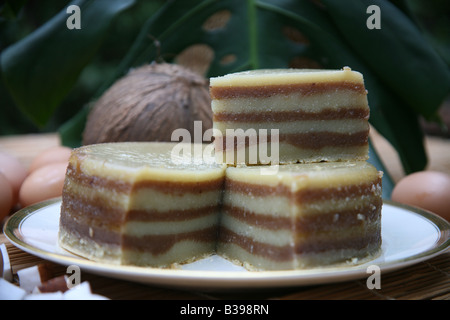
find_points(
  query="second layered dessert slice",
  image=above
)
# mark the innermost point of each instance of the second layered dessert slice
(306, 215)
(288, 116)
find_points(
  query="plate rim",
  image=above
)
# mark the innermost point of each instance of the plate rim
(204, 278)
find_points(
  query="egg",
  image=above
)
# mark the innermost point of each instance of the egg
(429, 190)
(43, 183)
(51, 155)
(14, 171)
(6, 197)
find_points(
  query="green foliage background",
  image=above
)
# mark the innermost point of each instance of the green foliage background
(50, 74)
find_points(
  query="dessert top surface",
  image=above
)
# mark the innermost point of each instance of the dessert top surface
(285, 77)
(323, 174)
(133, 156)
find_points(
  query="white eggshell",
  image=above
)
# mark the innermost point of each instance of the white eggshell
(29, 278)
(6, 267)
(9, 291)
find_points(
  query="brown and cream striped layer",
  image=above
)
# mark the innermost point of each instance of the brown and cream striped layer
(134, 203)
(319, 115)
(129, 203)
(307, 215)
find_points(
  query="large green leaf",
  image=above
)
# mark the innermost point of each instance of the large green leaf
(41, 69)
(398, 53)
(254, 35)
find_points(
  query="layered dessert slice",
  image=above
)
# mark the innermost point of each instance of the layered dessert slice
(307, 215)
(290, 115)
(141, 203)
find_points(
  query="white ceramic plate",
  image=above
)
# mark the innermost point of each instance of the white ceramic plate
(409, 236)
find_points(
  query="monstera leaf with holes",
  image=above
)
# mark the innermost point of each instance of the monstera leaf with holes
(403, 74)
(41, 69)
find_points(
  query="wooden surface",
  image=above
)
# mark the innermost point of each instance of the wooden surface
(425, 280)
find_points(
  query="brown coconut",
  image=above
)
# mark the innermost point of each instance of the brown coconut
(148, 104)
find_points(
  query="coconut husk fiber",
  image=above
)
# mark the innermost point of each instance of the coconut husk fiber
(148, 104)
